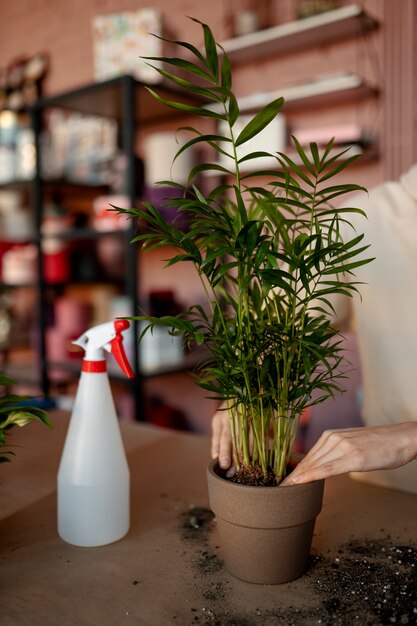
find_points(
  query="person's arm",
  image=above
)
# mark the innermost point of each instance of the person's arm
(357, 450)
(337, 451)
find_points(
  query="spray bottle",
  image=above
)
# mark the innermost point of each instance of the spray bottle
(93, 476)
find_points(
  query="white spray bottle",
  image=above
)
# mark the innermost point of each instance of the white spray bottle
(93, 477)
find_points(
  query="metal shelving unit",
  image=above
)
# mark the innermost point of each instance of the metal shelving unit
(129, 103)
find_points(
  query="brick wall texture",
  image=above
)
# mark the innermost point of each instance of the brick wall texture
(63, 29)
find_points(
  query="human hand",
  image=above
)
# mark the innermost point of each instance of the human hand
(357, 450)
(221, 440)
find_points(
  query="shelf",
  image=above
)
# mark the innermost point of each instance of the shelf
(91, 282)
(18, 242)
(16, 184)
(19, 185)
(74, 186)
(16, 341)
(104, 99)
(327, 89)
(32, 285)
(321, 29)
(74, 234)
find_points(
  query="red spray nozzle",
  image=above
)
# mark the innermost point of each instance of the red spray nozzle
(107, 337)
(117, 348)
(120, 325)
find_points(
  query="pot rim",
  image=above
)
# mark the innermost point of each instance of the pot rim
(252, 488)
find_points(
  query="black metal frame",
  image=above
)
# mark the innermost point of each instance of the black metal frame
(124, 108)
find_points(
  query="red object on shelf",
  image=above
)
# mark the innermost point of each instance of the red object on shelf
(56, 267)
(4, 247)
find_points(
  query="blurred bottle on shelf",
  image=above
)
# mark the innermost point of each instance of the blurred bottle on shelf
(308, 8)
(56, 261)
(19, 265)
(248, 16)
(17, 147)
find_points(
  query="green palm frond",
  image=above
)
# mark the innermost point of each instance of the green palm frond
(15, 410)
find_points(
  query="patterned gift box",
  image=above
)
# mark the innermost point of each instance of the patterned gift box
(119, 40)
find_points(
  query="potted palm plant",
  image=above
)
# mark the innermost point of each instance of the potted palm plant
(267, 248)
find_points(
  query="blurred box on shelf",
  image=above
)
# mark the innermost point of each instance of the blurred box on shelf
(55, 250)
(9, 124)
(25, 154)
(342, 134)
(121, 39)
(17, 162)
(16, 220)
(19, 265)
(159, 349)
(159, 151)
(271, 139)
(76, 147)
(308, 8)
(105, 218)
(7, 164)
(100, 297)
(72, 317)
(17, 148)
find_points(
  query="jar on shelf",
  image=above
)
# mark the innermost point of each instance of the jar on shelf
(56, 263)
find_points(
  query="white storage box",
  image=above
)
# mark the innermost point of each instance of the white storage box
(271, 139)
(158, 349)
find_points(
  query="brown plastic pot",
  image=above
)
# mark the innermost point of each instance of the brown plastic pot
(265, 532)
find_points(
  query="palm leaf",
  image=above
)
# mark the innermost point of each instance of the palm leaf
(260, 121)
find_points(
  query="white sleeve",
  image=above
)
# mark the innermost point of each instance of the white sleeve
(343, 304)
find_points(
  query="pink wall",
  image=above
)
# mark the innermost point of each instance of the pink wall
(386, 58)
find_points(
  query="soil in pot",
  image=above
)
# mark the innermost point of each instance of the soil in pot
(249, 476)
(253, 475)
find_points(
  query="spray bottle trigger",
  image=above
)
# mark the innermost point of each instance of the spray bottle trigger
(117, 348)
(120, 325)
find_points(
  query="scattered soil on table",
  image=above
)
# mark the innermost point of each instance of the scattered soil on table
(368, 582)
(208, 563)
(365, 582)
(215, 591)
(196, 524)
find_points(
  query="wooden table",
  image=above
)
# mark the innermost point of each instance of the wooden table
(168, 569)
